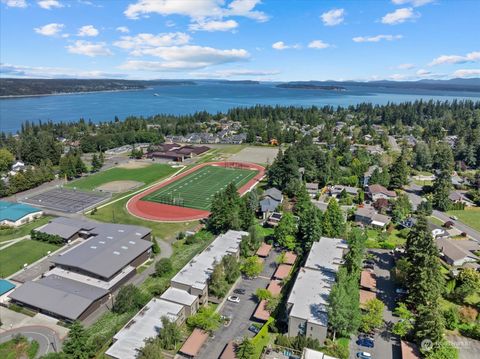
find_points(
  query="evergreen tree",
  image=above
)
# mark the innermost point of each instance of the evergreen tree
(96, 165)
(429, 324)
(309, 227)
(333, 220)
(399, 172)
(441, 191)
(285, 231)
(77, 346)
(245, 350)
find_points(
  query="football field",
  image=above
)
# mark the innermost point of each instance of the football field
(196, 190)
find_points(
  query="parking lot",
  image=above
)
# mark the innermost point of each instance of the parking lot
(387, 345)
(66, 200)
(240, 313)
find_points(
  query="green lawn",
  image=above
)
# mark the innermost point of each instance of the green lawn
(436, 221)
(262, 339)
(12, 233)
(117, 213)
(471, 217)
(152, 173)
(20, 348)
(393, 240)
(197, 189)
(14, 257)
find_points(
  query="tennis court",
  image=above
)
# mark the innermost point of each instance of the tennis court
(197, 189)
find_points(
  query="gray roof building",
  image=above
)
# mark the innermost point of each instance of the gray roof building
(146, 324)
(65, 298)
(326, 254)
(268, 204)
(309, 296)
(110, 248)
(274, 193)
(179, 296)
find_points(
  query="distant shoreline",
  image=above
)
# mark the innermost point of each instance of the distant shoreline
(70, 93)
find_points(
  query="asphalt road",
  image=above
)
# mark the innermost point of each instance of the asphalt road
(414, 192)
(387, 345)
(47, 338)
(240, 313)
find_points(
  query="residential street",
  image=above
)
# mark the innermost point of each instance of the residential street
(240, 313)
(387, 345)
(413, 194)
(47, 339)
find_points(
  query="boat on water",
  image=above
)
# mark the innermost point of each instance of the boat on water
(156, 94)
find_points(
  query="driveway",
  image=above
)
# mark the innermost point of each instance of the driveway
(47, 339)
(240, 313)
(468, 348)
(387, 345)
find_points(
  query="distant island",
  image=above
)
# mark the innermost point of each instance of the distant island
(310, 86)
(11, 87)
(239, 82)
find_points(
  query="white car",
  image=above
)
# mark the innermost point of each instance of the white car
(233, 299)
(455, 218)
(364, 355)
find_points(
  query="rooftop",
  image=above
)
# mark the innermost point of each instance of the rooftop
(261, 313)
(194, 343)
(274, 287)
(11, 211)
(197, 272)
(326, 254)
(365, 296)
(377, 188)
(264, 250)
(289, 258)
(282, 271)
(146, 324)
(179, 296)
(110, 248)
(59, 295)
(368, 280)
(309, 296)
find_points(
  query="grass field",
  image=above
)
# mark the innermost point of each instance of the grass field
(19, 348)
(471, 217)
(147, 175)
(12, 233)
(196, 190)
(14, 257)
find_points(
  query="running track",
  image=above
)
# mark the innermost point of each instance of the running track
(160, 212)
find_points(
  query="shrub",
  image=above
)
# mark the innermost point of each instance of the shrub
(467, 314)
(163, 266)
(452, 318)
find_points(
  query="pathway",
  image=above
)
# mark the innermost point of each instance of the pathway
(47, 338)
(11, 242)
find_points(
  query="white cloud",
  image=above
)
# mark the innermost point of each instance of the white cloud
(52, 29)
(406, 66)
(196, 9)
(137, 44)
(398, 77)
(423, 73)
(88, 30)
(169, 23)
(333, 17)
(414, 3)
(280, 45)
(466, 73)
(456, 59)
(123, 29)
(49, 4)
(15, 3)
(178, 58)
(376, 38)
(318, 44)
(87, 48)
(400, 16)
(214, 25)
(53, 72)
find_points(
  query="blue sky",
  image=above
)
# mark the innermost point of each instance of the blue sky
(240, 39)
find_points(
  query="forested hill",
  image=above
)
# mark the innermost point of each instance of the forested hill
(31, 87)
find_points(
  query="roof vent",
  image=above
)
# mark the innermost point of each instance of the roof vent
(93, 247)
(109, 237)
(131, 242)
(117, 253)
(101, 242)
(121, 230)
(124, 247)
(138, 234)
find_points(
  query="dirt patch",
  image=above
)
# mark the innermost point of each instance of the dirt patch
(119, 186)
(133, 165)
(256, 154)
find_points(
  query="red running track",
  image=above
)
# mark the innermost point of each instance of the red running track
(160, 212)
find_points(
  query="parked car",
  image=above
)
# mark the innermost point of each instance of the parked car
(369, 261)
(401, 291)
(455, 218)
(368, 266)
(364, 355)
(233, 299)
(366, 342)
(253, 328)
(239, 291)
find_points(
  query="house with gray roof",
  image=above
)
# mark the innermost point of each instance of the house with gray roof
(272, 198)
(60, 297)
(307, 304)
(128, 342)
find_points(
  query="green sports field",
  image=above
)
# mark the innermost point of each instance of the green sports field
(196, 190)
(147, 175)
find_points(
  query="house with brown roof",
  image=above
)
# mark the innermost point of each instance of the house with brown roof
(370, 217)
(366, 296)
(376, 191)
(261, 313)
(194, 343)
(283, 271)
(274, 287)
(368, 281)
(264, 250)
(289, 258)
(409, 350)
(229, 352)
